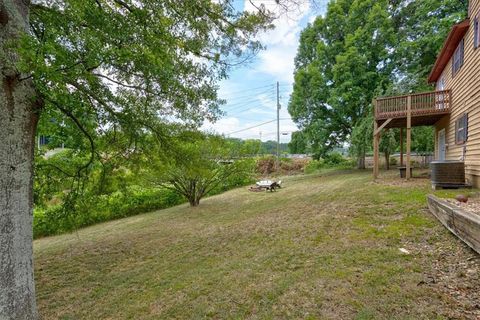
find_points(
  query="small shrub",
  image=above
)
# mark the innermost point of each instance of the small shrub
(334, 159)
(393, 161)
(314, 165)
(265, 165)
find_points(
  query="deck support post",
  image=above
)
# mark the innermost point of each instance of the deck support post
(376, 138)
(401, 147)
(409, 134)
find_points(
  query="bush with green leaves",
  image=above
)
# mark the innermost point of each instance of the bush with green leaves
(334, 159)
(314, 166)
(93, 209)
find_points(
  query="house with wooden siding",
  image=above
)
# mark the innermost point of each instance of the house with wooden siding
(453, 108)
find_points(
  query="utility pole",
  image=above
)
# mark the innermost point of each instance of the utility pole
(260, 147)
(278, 126)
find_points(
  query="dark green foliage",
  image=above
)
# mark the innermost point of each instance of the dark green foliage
(359, 50)
(314, 165)
(388, 145)
(334, 159)
(270, 147)
(330, 161)
(237, 179)
(343, 59)
(299, 143)
(423, 140)
(199, 164)
(115, 188)
(422, 27)
(361, 139)
(115, 78)
(134, 200)
(253, 147)
(94, 209)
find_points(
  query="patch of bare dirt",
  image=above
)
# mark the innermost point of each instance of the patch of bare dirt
(392, 178)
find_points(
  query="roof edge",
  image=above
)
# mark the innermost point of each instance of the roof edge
(453, 39)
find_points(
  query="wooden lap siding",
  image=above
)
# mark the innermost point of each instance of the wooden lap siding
(465, 86)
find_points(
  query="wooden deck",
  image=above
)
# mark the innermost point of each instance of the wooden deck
(426, 108)
(421, 109)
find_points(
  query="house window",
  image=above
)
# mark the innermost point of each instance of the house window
(440, 85)
(458, 58)
(461, 129)
(476, 33)
(43, 140)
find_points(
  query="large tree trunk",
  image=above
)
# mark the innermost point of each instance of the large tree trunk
(387, 161)
(361, 161)
(18, 119)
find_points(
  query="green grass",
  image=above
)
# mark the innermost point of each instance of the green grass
(324, 247)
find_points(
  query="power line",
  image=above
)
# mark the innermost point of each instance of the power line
(242, 111)
(249, 96)
(252, 127)
(256, 126)
(237, 105)
(248, 119)
(252, 89)
(247, 101)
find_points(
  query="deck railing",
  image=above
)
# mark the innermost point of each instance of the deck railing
(434, 102)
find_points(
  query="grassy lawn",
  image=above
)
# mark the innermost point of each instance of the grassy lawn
(324, 247)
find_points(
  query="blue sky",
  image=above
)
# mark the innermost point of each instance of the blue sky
(250, 90)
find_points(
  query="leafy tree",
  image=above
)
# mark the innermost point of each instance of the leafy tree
(361, 140)
(342, 61)
(251, 147)
(423, 140)
(421, 27)
(93, 65)
(200, 164)
(299, 143)
(361, 49)
(270, 147)
(388, 145)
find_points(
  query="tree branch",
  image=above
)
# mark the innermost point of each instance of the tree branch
(70, 115)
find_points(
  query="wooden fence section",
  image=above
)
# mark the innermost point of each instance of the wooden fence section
(435, 102)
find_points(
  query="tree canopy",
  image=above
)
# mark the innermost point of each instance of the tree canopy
(358, 50)
(199, 164)
(98, 73)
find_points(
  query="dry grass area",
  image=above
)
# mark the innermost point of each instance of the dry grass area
(324, 247)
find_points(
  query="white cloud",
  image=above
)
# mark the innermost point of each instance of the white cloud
(234, 127)
(222, 126)
(282, 42)
(275, 63)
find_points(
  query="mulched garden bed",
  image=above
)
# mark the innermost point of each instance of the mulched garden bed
(472, 205)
